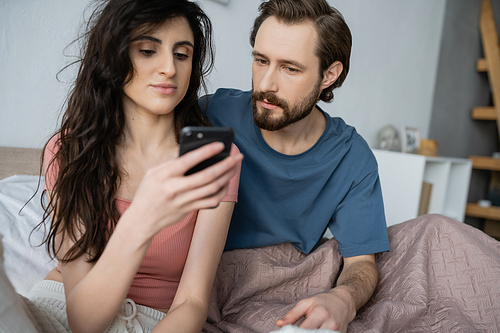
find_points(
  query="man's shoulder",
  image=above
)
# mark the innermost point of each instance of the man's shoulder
(347, 145)
(346, 133)
(227, 107)
(227, 95)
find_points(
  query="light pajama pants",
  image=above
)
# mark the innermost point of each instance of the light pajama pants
(47, 305)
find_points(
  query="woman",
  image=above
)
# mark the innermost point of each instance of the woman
(135, 241)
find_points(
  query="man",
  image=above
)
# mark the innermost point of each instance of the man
(303, 170)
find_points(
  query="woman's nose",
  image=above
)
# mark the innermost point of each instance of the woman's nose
(166, 66)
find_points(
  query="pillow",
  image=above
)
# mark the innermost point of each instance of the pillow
(14, 315)
(25, 263)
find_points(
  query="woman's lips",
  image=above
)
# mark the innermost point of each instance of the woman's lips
(167, 89)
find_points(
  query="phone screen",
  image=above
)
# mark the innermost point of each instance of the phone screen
(192, 138)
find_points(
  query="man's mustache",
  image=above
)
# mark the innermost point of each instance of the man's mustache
(270, 98)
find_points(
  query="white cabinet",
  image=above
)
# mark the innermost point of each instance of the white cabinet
(402, 176)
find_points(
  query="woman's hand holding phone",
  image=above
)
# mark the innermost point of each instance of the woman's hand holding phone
(192, 137)
(166, 194)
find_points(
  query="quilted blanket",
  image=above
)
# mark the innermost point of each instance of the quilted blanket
(440, 276)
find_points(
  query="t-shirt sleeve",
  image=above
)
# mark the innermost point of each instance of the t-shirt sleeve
(359, 221)
(232, 193)
(51, 167)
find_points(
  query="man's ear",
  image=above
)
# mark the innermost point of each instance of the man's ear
(331, 74)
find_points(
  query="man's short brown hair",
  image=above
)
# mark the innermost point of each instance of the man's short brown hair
(334, 37)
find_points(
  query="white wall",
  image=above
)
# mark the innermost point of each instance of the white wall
(391, 81)
(394, 64)
(33, 35)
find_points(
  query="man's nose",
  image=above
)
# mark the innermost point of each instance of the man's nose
(269, 83)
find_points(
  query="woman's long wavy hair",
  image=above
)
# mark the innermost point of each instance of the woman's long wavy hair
(82, 201)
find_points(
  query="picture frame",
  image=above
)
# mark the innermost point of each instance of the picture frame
(410, 139)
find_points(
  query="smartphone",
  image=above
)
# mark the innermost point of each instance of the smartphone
(192, 138)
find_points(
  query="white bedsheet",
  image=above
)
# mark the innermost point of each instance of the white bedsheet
(25, 261)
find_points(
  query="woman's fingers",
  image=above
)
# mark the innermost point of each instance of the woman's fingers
(206, 184)
(226, 167)
(215, 171)
(193, 158)
(180, 165)
(215, 190)
(209, 202)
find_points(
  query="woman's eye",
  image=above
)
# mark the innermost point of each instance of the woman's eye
(181, 56)
(147, 52)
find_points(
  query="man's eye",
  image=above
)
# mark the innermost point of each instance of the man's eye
(261, 61)
(292, 70)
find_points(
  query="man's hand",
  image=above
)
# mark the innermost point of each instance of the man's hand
(333, 310)
(337, 308)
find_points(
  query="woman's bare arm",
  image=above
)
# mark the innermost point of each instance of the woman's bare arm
(190, 306)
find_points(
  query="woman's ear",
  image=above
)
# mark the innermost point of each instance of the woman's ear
(331, 74)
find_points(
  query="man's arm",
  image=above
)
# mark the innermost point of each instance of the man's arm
(337, 308)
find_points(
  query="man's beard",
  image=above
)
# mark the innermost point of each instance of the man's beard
(264, 119)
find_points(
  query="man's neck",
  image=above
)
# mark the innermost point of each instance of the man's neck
(297, 137)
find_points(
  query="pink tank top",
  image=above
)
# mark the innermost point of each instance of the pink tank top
(157, 279)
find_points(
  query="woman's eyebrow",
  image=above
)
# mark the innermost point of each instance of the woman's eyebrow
(158, 41)
(184, 42)
(152, 39)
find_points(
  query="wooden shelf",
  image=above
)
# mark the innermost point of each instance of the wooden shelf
(491, 48)
(482, 65)
(492, 228)
(491, 213)
(484, 113)
(485, 163)
(491, 65)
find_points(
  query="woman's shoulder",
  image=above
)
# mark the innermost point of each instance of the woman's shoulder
(52, 144)
(50, 166)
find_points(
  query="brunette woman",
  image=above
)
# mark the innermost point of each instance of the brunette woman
(137, 242)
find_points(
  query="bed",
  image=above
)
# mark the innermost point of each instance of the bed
(23, 161)
(440, 276)
(25, 262)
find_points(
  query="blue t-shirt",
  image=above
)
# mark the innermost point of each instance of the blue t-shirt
(293, 199)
